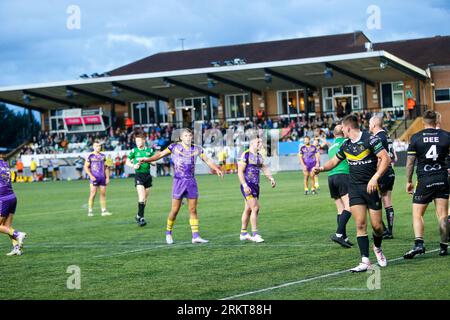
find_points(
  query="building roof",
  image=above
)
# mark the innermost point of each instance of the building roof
(420, 52)
(252, 53)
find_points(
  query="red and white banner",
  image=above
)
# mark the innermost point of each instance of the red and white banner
(92, 120)
(73, 121)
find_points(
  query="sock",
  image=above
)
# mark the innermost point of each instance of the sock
(141, 208)
(363, 244)
(418, 242)
(337, 219)
(384, 226)
(90, 205)
(343, 219)
(255, 232)
(13, 233)
(377, 240)
(194, 227)
(444, 246)
(170, 224)
(13, 241)
(244, 232)
(390, 218)
(103, 204)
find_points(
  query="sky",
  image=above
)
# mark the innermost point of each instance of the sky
(37, 44)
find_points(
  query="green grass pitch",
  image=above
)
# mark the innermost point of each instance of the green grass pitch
(119, 260)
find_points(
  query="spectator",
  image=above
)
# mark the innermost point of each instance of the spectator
(33, 168)
(79, 165)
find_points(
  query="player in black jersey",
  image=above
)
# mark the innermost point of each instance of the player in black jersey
(430, 148)
(386, 182)
(368, 161)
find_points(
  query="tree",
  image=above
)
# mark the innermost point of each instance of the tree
(15, 127)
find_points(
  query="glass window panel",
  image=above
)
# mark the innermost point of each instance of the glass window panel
(397, 86)
(347, 90)
(337, 90)
(398, 100)
(136, 114)
(293, 103)
(301, 98)
(442, 94)
(284, 103)
(386, 94)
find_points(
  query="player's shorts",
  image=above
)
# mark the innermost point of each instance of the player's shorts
(338, 185)
(99, 182)
(8, 205)
(184, 187)
(431, 187)
(358, 195)
(309, 166)
(254, 193)
(33, 171)
(386, 182)
(20, 171)
(143, 179)
(56, 169)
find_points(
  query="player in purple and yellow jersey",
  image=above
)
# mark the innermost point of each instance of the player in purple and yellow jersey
(309, 158)
(184, 155)
(249, 167)
(98, 172)
(8, 203)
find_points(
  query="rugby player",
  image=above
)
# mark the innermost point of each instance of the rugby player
(184, 155)
(368, 161)
(430, 148)
(8, 203)
(309, 158)
(98, 172)
(386, 182)
(142, 178)
(249, 167)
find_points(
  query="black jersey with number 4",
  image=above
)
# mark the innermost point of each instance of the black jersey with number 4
(361, 157)
(430, 147)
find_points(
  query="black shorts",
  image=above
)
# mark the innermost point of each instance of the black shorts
(358, 196)
(386, 182)
(431, 187)
(338, 185)
(143, 179)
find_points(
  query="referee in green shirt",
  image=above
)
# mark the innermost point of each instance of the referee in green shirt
(338, 185)
(142, 179)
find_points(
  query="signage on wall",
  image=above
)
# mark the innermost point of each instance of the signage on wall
(409, 94)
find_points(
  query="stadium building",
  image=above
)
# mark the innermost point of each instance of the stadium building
(279, 79)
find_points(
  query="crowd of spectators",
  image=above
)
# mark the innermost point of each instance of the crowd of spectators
(291, 129)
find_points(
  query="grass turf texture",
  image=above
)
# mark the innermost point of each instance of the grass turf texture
(119, 260)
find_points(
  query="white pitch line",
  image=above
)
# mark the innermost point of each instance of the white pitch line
(288, 284)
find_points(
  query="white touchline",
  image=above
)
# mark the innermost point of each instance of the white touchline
(301, 281)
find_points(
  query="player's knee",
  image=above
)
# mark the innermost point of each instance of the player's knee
(361, 226)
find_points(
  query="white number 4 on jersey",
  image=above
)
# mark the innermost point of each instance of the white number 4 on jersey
(432, 153)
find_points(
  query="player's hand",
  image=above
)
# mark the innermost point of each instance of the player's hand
(273, 182)
(137, 166)
(93, 178)
(219, 173)
(409, 188)
(247, 189)
(107, 180)
(372, 185)
(318, 170)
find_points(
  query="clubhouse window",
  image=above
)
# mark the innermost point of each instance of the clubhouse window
(291, 102)
(236, 106)
(351, 94)
(392, 95)
(144, 112)
(442, 95)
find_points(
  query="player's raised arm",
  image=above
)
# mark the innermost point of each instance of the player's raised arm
(211, 165)
(156, 157)
(329, 165)
(268, 175)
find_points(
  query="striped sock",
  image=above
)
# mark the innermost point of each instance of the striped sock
(255, 232)
(244, 232)
(194, 227)
(170, 224)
